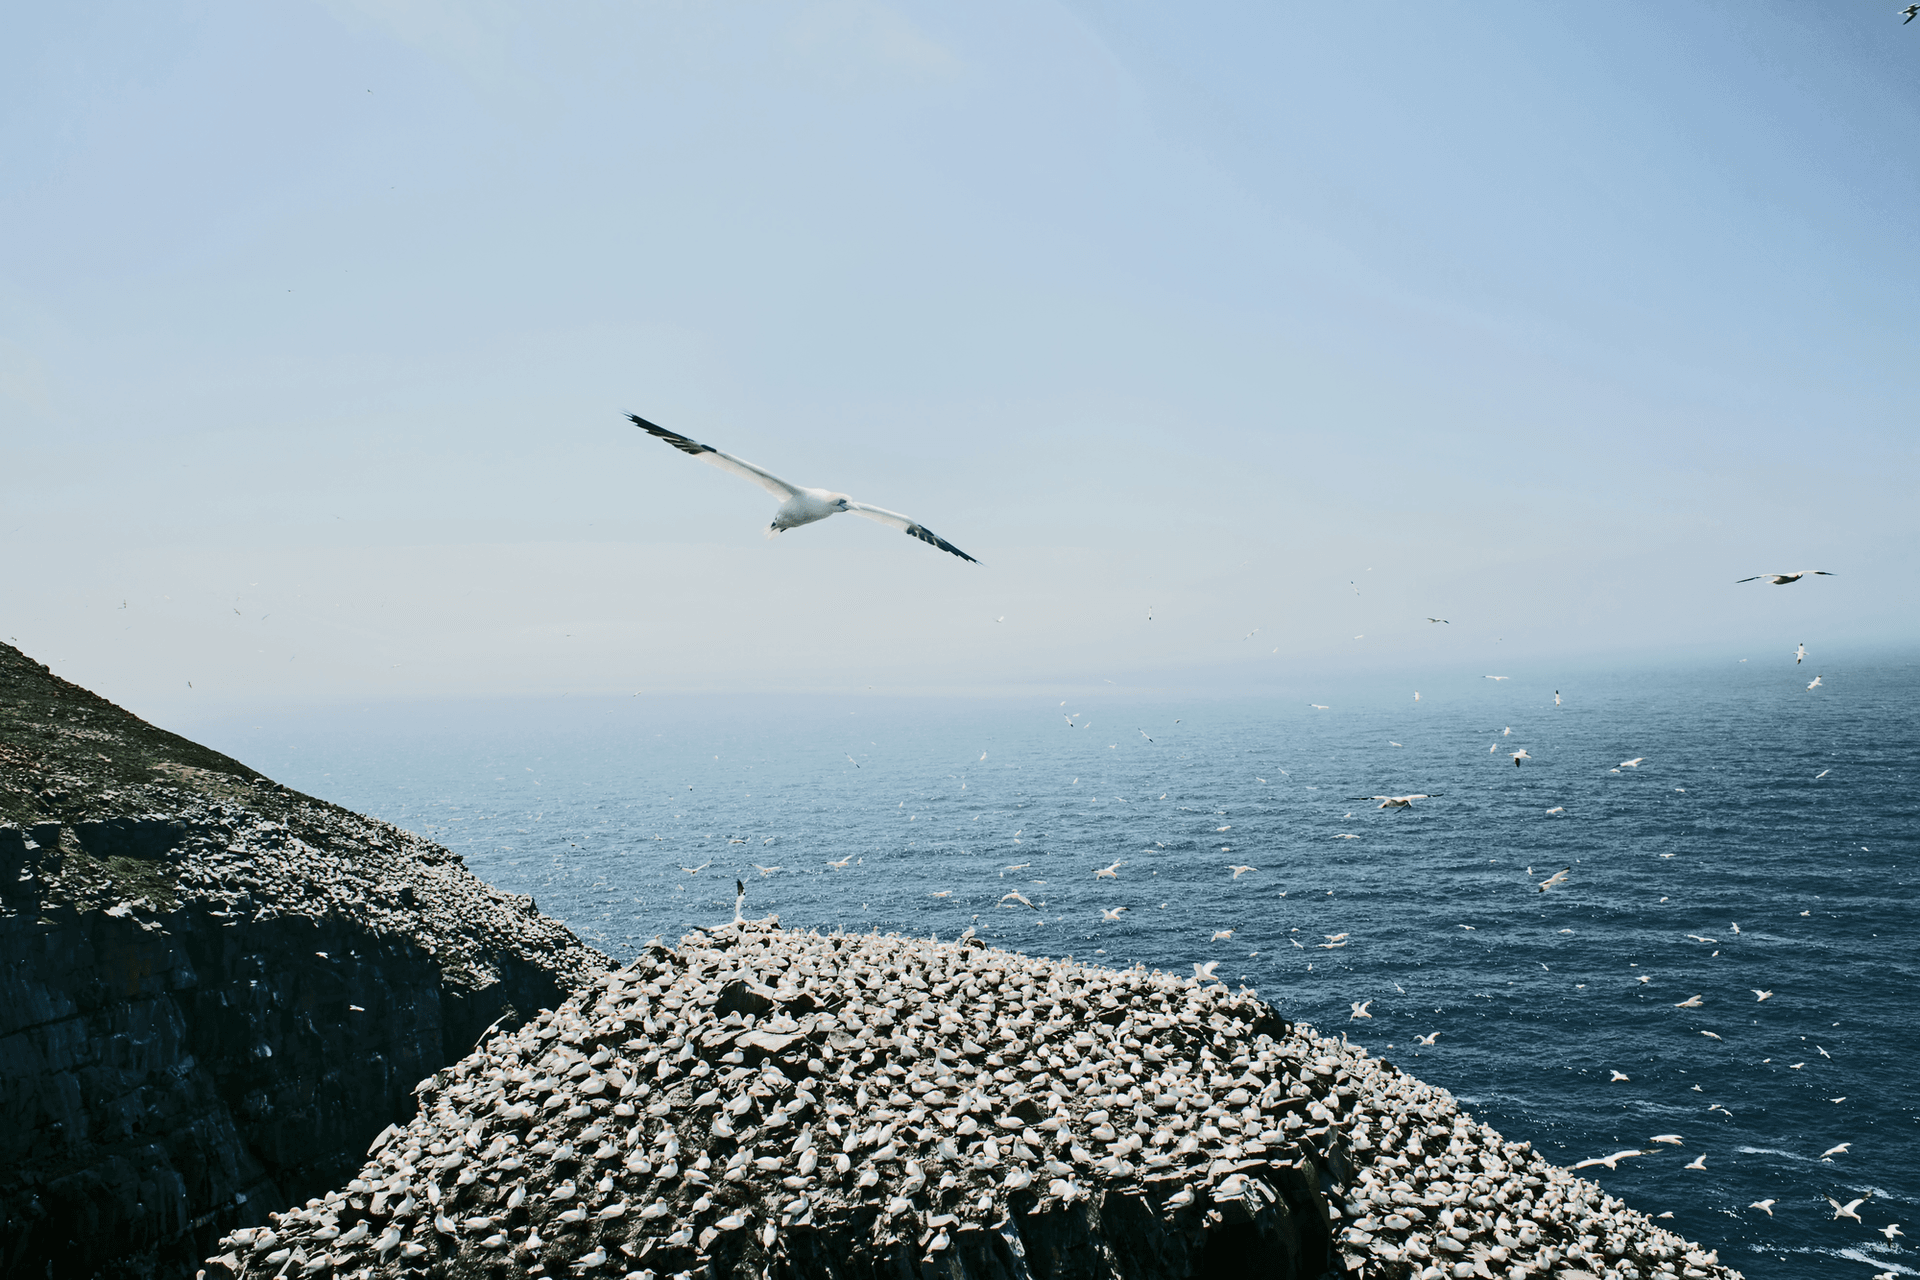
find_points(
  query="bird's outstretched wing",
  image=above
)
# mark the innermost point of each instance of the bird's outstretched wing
(772, 483)
(908, 527)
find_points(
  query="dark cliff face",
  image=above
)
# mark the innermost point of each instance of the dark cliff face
(214, 992)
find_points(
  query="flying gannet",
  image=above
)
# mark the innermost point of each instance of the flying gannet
(1782, 579)
(798, 505)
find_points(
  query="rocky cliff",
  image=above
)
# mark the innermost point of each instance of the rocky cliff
(768, 1103)
(214, 991)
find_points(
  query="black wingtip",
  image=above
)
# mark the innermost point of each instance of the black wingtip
(673, 438)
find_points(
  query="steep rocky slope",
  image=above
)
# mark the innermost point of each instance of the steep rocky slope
(765, 1102)
(214, 991)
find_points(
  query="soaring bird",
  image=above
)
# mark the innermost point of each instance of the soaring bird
(1610, 1161)
(1108, 872)
(1558, 877)
(798, 505)
(1111, 913)
(1518, 756)
(1425, 1040)
(1239, 871)
(1782, 579)
(1912, 11)
(1835, 1151)
(1850, 1208)
(1359, 1009)
(1017, 896)
(1398, 802)
(1815, 684)
(1634, 763)
(1799, 653)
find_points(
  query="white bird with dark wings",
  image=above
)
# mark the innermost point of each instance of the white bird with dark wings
(798, 505)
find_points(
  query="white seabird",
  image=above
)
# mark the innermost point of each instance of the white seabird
(1782, 579)
(798, 505)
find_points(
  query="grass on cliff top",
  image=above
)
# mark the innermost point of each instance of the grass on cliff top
(67, 754)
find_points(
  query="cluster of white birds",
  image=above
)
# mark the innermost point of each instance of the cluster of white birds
(708, 1105)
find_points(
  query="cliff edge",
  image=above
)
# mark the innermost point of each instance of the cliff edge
(215, 991)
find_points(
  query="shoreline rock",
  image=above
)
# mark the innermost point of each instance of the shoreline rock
(768, 1102)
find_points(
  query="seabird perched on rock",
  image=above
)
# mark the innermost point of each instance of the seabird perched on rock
(798, 505)
(760, 1084)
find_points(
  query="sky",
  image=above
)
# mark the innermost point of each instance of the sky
(1291, 325)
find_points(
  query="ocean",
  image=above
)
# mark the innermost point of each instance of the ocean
(1724, 830)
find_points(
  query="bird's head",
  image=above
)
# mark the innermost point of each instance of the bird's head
(840, 501)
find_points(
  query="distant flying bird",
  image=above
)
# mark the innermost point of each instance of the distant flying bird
(1835, 1151)
(1558, 877)
(1619, 1077)
(1892, 1229)
(1556, 697)
(1823, 773)
(1317, 706)
(1205, 971)
(1699, 1162)
(1559, 808)
(1671, 1139)
(1634, 763)
(1911, 11)
(1815, 684)
(842, 864)
(1359, 1009)
(1439, 620)
(1499, 677)
(694, 871)
(1399, 802)
(1143, 733)
(1691, 1002)
(942, 893)
(1848, 1210)
(1760, 995)
(1518, 756)
(1017, 896)
(798, 505)
(764, 871)
(1426, 1040)
(1111, 913)
(1764, 1204)
(1108, 872)
(1609, 1161)
(1239, 871)
(1782, 579)
(1799, 653)
(1221, 935)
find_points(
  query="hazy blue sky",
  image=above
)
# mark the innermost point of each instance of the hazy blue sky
(317, 323)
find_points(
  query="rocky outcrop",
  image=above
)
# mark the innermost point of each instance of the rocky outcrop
(764, 1102)
(214, 991)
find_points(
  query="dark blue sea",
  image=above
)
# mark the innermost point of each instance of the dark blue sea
(1765, 841)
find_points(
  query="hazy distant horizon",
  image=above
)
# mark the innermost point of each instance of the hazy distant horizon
(1552, 322)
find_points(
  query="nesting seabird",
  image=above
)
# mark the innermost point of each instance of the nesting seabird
(798, 504)
(759, 1094)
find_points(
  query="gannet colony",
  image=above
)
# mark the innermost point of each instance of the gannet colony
(761, 1101)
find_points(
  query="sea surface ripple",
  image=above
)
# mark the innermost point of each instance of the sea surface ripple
(1723, 864)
